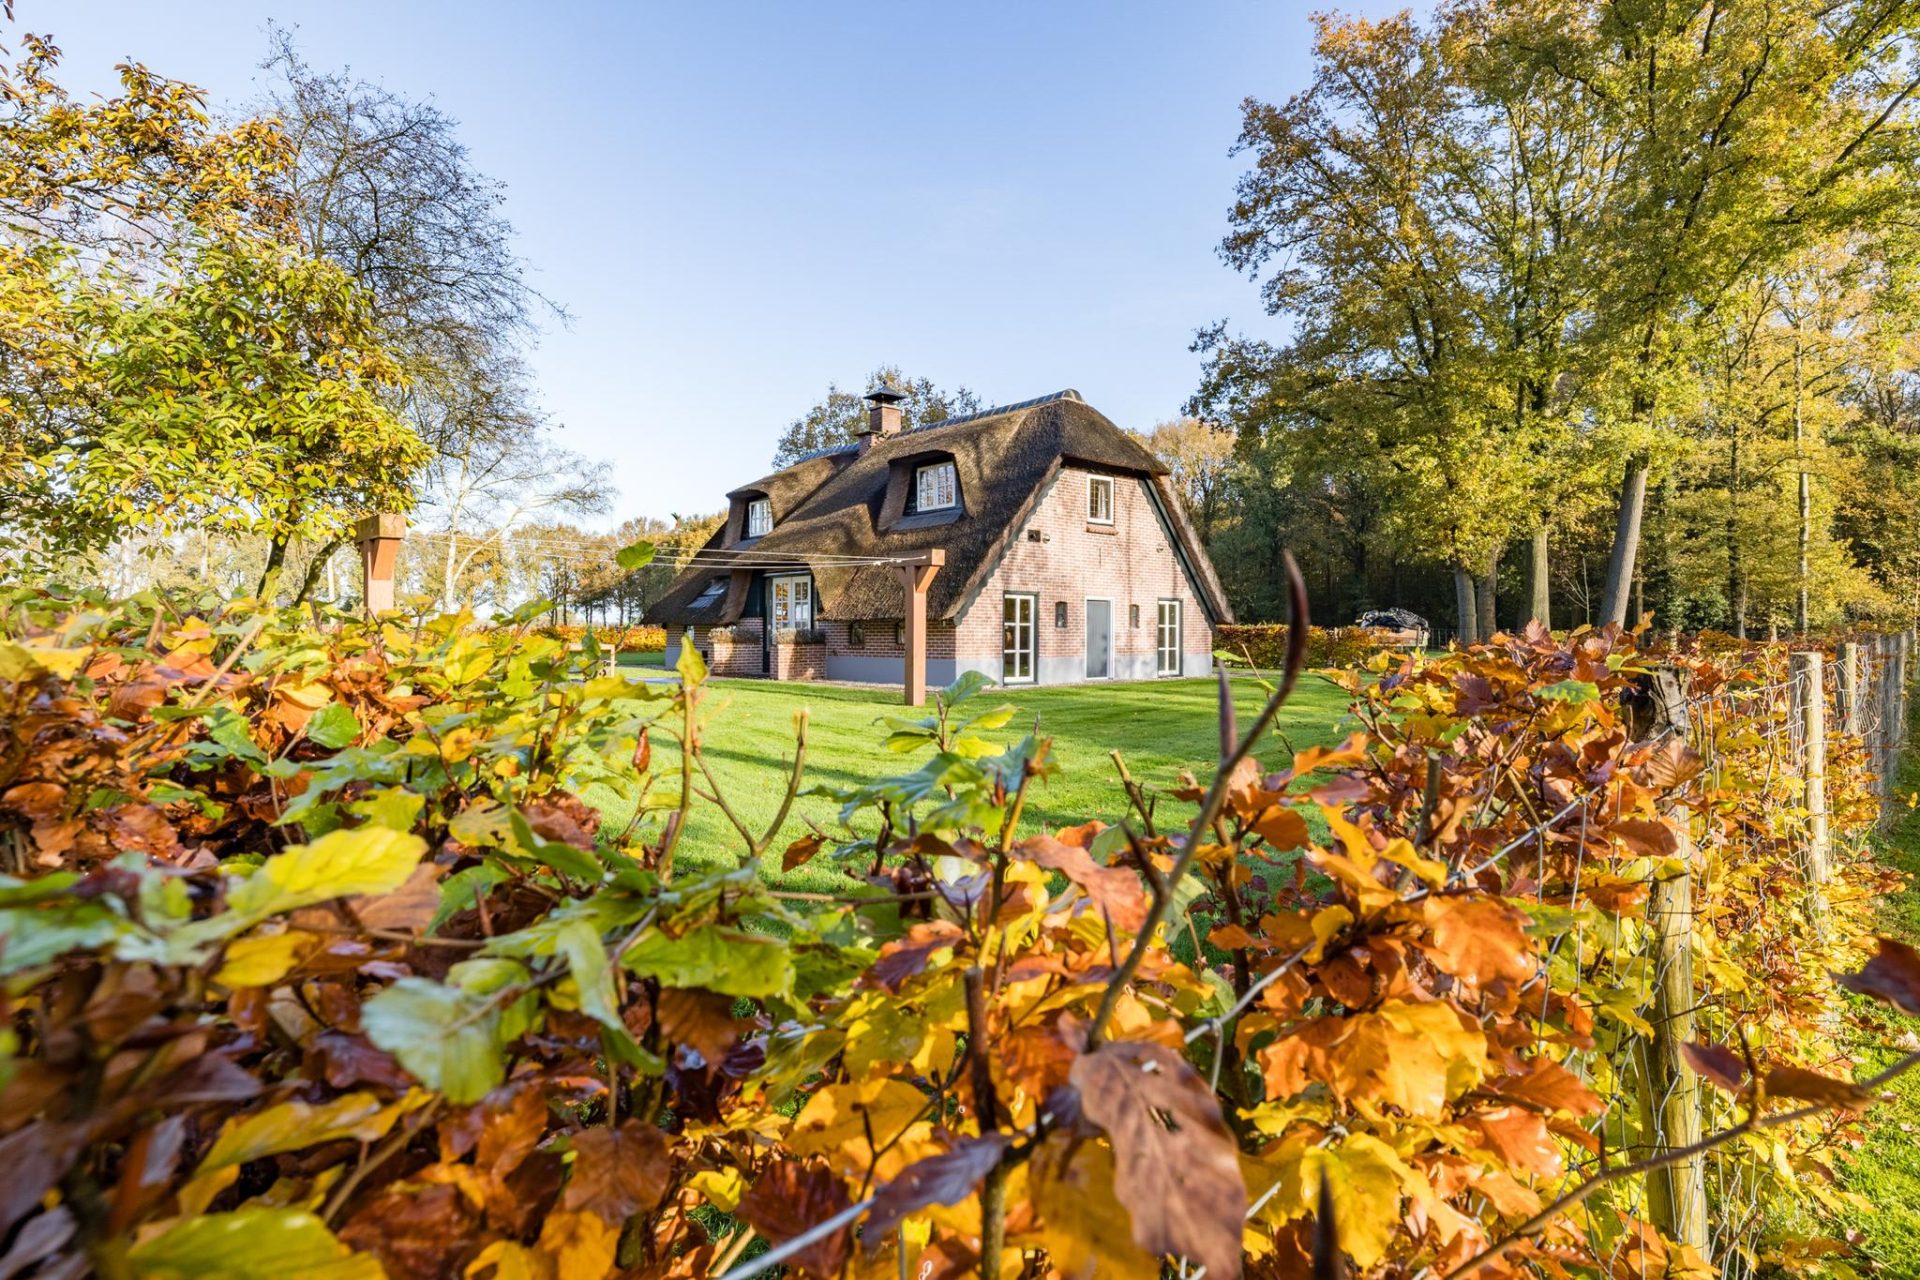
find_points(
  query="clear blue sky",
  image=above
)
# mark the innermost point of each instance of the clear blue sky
(739, 203)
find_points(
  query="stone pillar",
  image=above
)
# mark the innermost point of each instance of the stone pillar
(379, 538)
(915, 577)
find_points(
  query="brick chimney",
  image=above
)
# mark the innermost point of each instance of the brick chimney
(883, 415)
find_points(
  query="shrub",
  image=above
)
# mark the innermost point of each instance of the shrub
(318, 964)
(1265, 645)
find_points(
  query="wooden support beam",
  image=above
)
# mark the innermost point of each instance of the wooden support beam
(379, 538)
(915, 577)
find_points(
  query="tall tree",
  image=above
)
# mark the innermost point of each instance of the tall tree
(1743, 132)
(839, 416)
(382, 185)
(1200, 459)
(172, 355)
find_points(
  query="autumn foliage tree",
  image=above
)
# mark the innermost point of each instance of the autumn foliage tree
(170, 354)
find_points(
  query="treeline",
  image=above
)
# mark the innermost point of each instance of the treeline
(1594, 313)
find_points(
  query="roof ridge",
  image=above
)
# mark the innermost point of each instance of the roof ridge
(1066, 394)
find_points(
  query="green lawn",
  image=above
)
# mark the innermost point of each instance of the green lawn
(635, 658)
(1886, 1167)
(1160, 728)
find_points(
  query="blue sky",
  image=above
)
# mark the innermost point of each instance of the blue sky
(738, 203)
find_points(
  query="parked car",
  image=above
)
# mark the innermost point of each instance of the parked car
(1396, 628)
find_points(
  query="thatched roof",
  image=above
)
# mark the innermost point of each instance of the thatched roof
(845, 502)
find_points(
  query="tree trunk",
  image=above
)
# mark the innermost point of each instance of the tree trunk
(276, 558)
(1464, 609)
(319, 565)
(1806, 492)
(1626, 543)
(1736, 556)
(1540, 608)
(1483, 598)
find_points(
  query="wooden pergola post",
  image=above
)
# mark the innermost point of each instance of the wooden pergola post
(915, 576)
(379, 537)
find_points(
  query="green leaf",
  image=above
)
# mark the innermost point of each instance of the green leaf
(691, 666)
(732, 962)
(969, 683)
(459, 890)
(31, 937)
(1571, 691)
(334, 726)
(337, 865)
(449, 1037)
(246, 1244)
(635, 555)
(229, 730)
(558, 854)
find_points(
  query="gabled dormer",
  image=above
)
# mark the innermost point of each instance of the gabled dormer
(923, 489)
(749, 516)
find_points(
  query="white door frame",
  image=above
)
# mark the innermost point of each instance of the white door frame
(1032, 600)
(1085, 637)
(1179, 636)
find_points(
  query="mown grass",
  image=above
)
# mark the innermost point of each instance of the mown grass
(1885, 1169)
(1159, 728)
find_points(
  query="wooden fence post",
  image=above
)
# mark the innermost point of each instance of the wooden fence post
(379, 537)
(1671, 1103)
(1847, 694)
(1810, 710)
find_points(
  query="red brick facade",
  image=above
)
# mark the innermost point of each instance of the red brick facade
(1133, 562)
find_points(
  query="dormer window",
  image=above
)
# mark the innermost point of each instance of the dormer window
(934, 487)
(711, 592)
(759, 517)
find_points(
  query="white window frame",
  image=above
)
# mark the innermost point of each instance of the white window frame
(1010, 648)
(1168, 637)
(799, 592)
(759, 517)
(927, 484)
(1095, 484)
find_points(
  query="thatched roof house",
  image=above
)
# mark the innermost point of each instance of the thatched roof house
(1045, 500)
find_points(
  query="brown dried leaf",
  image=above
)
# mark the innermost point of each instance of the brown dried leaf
(1811, 1086)
(1893, 976)
(1646, 837)
(947, 1178)
(1718, 1064)
(801, 851)
(905, 957)
(1115, 892)
(792, 1198)
(1176, 1165)
(1548, 1084)
(618, 1172)
(1672, 763)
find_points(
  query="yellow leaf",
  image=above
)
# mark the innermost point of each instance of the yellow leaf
(580, 1244)
(263, 959)
(512, 1261)
(1088, 1232)
(721, 1187)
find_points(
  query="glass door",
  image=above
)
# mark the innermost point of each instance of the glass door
(1167, 636)
(1016, 642)
(790, 607)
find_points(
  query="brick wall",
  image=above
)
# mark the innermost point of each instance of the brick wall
(798, 660)
(1131, 562)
